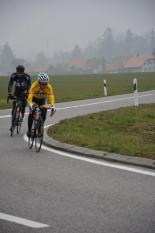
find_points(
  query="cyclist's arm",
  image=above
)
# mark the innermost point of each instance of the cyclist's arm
(30, 96)
(51, 99)
(31, 92)
(29, 100)
(10, 84)
(51, 96)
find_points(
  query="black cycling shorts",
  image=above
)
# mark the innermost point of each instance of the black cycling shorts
(39, 102)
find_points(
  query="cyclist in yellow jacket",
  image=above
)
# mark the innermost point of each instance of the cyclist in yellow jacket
(39, 92)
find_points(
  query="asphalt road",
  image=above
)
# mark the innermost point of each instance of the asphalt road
(51, 193)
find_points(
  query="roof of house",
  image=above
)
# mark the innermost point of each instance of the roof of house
(118, 64)
(137, 61)
(77, 63)
(37, 69)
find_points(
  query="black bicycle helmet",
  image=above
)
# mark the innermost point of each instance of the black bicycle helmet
(20, 68)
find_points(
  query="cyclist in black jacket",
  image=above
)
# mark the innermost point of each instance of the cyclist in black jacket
(22, 84)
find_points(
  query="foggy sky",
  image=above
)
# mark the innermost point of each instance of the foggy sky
(30, 26)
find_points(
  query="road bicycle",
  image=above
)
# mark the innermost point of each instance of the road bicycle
(16, 121)
(37, 131)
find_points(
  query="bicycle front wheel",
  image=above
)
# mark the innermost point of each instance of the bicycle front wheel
(32, 136)
(31, 139)
(19, 122)
(39, 134)
(12, 130)
(13, 125)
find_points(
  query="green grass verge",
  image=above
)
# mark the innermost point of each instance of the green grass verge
(129, 131)
(77, 87)
(4, 104)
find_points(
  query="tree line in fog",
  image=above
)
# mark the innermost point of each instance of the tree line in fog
(108, 46)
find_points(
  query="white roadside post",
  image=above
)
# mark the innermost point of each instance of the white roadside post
(105, 87)
(136, 102)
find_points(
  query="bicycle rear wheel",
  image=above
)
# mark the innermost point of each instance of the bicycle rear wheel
(39, 134)
(19, 127)
(32, 135)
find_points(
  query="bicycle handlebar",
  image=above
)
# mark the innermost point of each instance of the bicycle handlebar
(45, 106)
(35, 107)
(11, 98)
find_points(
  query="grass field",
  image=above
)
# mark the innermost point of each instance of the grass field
(129, 131)
(76, 87)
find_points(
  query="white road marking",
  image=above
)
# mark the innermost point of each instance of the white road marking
(4, 116)
(22, 221)
(96, 103)
(103, 102)
(46, 126)
(95, 161)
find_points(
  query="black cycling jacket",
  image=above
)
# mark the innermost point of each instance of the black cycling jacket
(22, 83)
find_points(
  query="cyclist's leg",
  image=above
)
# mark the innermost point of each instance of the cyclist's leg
(43, 111)
(24, 101)
(30, 122)
(30, 119)
(16, 94)
(13, 114)
(13, 106)
(21, 95)
(43, 114)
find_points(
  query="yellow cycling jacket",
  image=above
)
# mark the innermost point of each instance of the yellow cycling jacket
(38, 93)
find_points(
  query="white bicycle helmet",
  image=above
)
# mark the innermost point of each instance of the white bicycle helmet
(43, 77)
